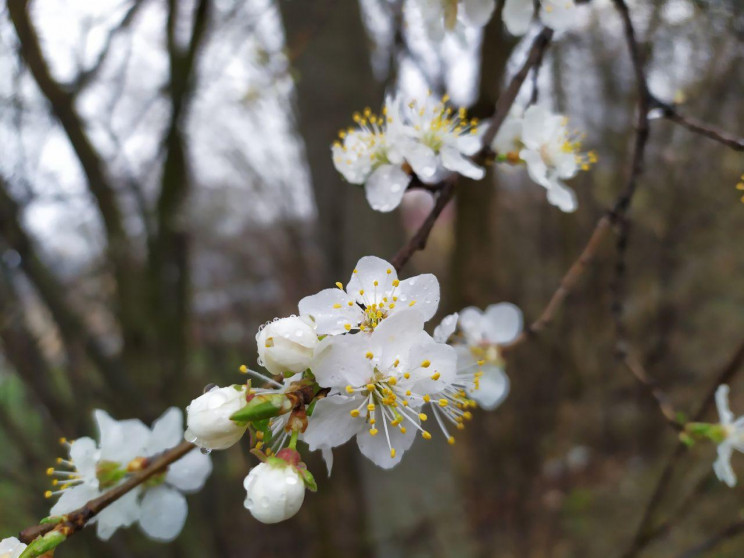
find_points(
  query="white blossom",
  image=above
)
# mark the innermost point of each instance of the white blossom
(559, 15)
(274, 492)
(378, 384)
(733, 429)
(373, 294)
(541, 140)
(11, 548)
(92, 468)
(286, 345)
(208, 418)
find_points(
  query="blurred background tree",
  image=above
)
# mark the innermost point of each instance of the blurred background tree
(167, 186)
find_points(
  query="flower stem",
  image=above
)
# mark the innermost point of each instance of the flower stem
(293, 439)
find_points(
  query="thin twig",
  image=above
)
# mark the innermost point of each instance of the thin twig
(650, 386)
(445, 190)
(734, 529)
(76, 520)
(670, 112)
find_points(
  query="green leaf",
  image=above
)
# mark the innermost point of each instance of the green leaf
(308, 479)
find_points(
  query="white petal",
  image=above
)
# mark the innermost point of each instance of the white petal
(84, 455)
(74, 498)
(385, 187)
(393, 338)
(11, 547)
(478, 12)
(121, 441)
(565, 164)
(167, 432)
(503, 322)
(422, 159)
(331, 311)
(420, 293)
(472, 323)
(340, 360)
(536, 167)
(327, 454)
(455, 161)
(368, 271)
(517, 15)
(563, 197)
(376, 448)
(446, 328)
(442, 364)
(722, 465)
(122, 513)
(189, 473)
(539, 126)
(509, 136)
(163, 513)
(493, 388)
(469, 144)
(724, 413)
(331, 424)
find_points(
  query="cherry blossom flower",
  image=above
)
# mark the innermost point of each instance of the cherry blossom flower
(92, 468)
(733, 431)
(286, 345)
(541, 140)
(559, 15)
(378, 384)
(208, 418)
(373, 294)
(11, 548)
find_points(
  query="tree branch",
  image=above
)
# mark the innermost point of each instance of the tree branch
(670, 112)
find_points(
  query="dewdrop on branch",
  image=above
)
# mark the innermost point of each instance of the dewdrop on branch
(208, 418)
(275, 489)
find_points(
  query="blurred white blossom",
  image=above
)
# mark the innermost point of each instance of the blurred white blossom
(11, 548)
(733, 432)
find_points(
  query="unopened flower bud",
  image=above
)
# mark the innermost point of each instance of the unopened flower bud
(286, 345)
(274, 491)
(208, 418)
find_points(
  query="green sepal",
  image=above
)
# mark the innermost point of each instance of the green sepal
(686, 439)
(109, 473)
(703, 430)
(53, 520)
(44, 544)
(311, 408)
(262, 407)
(308, 479)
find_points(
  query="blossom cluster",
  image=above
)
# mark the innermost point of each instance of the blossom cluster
(356, 362)
(91, 468)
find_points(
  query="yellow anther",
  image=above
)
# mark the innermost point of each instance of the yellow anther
(388, 271)
(48, 494)
(423, 417)
(361, 291)
(406, 375)
(63, 440)
(55, 482)
(425, 435)
(347, 327)
(392, 452)
(442, 402)
(337, 306)
(392, 381)
(370, 387)
(460, 426)
(372, 421)
(260, 434)
(339, 285)
(740, 186)
(371, 407)
(481, 362)
(426, 364)
(468, 415)
(349, 389)
(405, 403)
(369, 355)
(354, 413)
(397, 362)
(427, 398)
(350, 303)
(243, 369)
(373, 432)
(50, 471)
(60, 460)
(412, 303)
(395, 284)
(402, 429)
(451, 440)
(259, 445)
(435, 376)
(375, 283)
